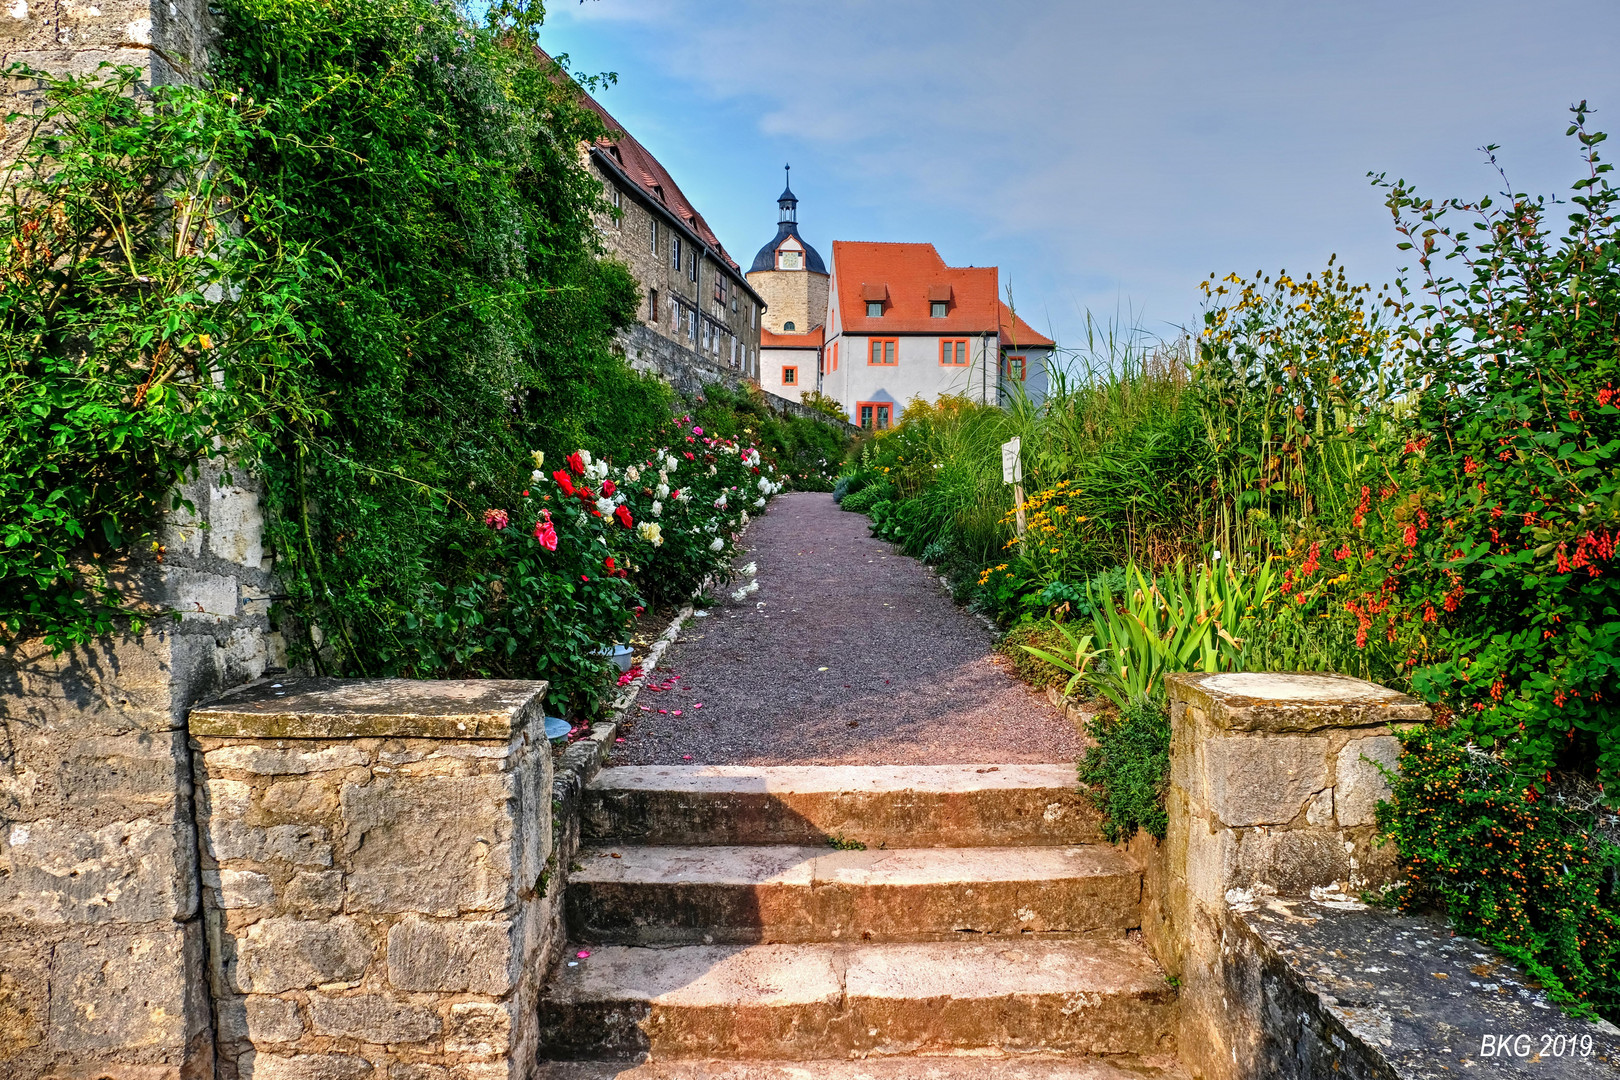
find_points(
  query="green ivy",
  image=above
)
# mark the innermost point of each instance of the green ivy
(151, 309)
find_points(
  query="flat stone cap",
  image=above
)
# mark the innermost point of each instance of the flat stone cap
(1292, 701)
(361, 708)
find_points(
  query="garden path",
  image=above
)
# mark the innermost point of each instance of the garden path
(849, 653)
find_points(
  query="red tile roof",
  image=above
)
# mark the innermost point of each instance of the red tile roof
(1018, 334)
(811, 340)
(910, 274)
(644, 170)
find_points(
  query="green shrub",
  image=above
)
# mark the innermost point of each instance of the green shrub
(1025, 664)
(862, 501)
(1523, 868)
(1127, 769)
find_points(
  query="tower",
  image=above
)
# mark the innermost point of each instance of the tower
(789, 273)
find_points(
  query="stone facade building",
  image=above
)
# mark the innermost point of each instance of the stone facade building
(790, 275)
(699, 318)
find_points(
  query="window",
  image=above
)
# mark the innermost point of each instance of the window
(787, 327)
(652, 305)
(1014, 367)
(938, 309)
(953, 352)
(734, 301)
(874, 309)
(618, 198)
(834, 366)
(882, 351)
(875, 415)
(675, 253)
(652, 234)
(692, 268)
(790, 376)
(720, 289)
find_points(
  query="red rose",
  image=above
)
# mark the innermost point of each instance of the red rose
(623, 514)
(608, 488)
(576, 463)
(607, 563)
(585, 494)
(563, 482)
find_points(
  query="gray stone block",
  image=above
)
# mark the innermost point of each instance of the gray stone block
(121, 992)
(1263, 781)
(372, 1018)
(438, 845)
(1360, 785)
(476, 1027)
(259, 1019)
(450, 957)
(282, 953)
(123, 872)
(258, 1066)
(311, 892)
(301, 845)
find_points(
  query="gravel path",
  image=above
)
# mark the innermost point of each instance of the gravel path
(849, 654)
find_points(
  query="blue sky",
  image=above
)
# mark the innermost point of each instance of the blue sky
(1107, 156)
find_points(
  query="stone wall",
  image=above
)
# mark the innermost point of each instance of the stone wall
(1273, 784)
(101, 963)
(689, 372)
(376, 854)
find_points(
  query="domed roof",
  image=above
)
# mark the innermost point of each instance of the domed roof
(766, 259)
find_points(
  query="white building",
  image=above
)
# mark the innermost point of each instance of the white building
(901, 324)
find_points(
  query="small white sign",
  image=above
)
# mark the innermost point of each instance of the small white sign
(1012, 465)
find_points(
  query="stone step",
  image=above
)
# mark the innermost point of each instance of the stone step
(878, 805)
(798, 1002)
(636, 895)
(967, 1067)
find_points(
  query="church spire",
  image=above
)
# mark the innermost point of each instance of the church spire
(787, 202)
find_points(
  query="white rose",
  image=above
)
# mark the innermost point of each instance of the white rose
(656, 509)
(537, 476)
(632, 474)
(711, 470)
(717, 544)
(672, 465)
(585, 456)
(764, 486)
(759, 504)
(605, 506)
(751, 569)
(662, 491)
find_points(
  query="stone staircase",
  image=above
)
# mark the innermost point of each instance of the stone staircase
(835, 923)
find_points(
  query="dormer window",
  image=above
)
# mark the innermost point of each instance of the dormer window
(939, 301)
(876, 296)
(938, 309)
(788, 327)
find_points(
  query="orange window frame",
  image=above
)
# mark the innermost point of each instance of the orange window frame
(870, 422)
(948, 346)
(834, 366)
(1023, 366)
(790, 375)
(883, 352)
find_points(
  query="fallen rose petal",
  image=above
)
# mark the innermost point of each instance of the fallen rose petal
(646, 708)
(677, 712)
(686, 757)
(583, 953)
(699, 705)
(664, 711)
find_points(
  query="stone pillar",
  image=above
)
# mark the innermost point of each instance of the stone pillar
(100, 946)
(375, 856)
(1273, 784)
